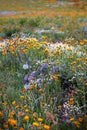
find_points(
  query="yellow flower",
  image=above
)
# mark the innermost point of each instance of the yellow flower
(86, 83)
(71, 99)
(71, 119)
(26, 110)
(79, 59)
(25, 106)
(80, 119)
(81, 42)
(85, 63)
(40, 119)
(46, 127)
(21, 128)
(34, 114)
(5, 125)
(26, 118)
(43, 37)
(86, 59)
(17, 106)
(14, 102)
(71, 102)
(12, 121)
(11, 113)
(3, 52)
(85, 40)
(11, 47)
(74, 62)
(40, 90)
(0, 113)
(79, 66)
(76, 122)
(21, 96)
(35, 124)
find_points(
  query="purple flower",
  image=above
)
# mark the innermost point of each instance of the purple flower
(26, 77)
(44, 66)
(54, 69)
(41, 76)
(38, 81)
(30, 78)
(34, 73)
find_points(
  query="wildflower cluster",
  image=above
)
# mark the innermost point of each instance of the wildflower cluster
(53, 85)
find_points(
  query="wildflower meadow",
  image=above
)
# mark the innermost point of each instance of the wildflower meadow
(43, 65)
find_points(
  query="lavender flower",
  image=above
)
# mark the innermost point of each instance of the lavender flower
(54, 69)
(26, 77)
(38, 81)
(30, 78)
(34, 73)
(44, 66)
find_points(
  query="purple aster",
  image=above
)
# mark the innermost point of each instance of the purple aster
(43, 66)
(30, 78)
(34, 73)
(54, 69)
(38, 81)
(26, 77)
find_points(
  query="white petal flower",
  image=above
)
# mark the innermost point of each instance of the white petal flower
(25, 66)
(26, 86)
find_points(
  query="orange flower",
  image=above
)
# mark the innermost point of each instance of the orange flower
(14, 102)
(71, 99)
(71, 119)
(74, 62)
(34, 114)
(35, 124)
(0, 113)
(26, 118)
(26, 110)
(46, 127)
(12, 121)
(80, 119)
(71, 102)
(21, 128)
(17, 106)
(40, 119)
(76, 122)
(5, 125)
(40, 90)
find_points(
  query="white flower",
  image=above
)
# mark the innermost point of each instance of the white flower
(26, 86)
(25, 66)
